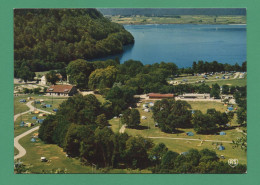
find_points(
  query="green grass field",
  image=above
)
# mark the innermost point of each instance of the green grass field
(212, 80)
(183, 19)
(18, 106)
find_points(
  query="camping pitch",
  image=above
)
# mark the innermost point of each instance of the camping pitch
(221, 147)
(189, 133)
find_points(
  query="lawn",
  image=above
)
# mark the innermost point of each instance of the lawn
(18, 106)
(57, 159)
(231, 82)
(212, 80)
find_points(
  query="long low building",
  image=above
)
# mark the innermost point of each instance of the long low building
(61, 90)
(160, 96)
(195, 96)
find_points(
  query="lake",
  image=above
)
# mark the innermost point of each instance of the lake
(185, 43)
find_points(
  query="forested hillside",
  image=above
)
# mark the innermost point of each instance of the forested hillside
(47, 39)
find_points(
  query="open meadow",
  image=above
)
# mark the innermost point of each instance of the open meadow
(233, 80)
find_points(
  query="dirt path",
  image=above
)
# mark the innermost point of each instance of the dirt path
(187, 139)
(19, 147)
(236, 75)
(122, 129)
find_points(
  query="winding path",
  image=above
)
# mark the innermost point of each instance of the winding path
(19, 147)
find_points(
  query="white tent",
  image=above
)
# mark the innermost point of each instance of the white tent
(143, 117)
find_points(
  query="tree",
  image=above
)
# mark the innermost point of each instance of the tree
(101, 121)
(208, 155)
(104, 146)
(47, 128)
(102, 78)
(243, 68)
(242, 116)
(131, 117)
(137, 149)
(157, 152)
(225, 89)
(78, 72)
(203, 123)
(37, 90)
(241, 142)
(52, 77)
(215, 91)
(171, 114)
(25, 74)
(121, 98)
(168, 161)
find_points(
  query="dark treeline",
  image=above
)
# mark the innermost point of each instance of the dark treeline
(47, 39)
(172, 11)
(205, 67)
(81, 128)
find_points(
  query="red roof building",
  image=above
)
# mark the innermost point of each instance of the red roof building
(160, 96)
(61, 90)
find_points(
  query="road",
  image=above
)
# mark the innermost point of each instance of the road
(19, 147)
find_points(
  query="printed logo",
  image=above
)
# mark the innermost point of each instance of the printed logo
(233, 162)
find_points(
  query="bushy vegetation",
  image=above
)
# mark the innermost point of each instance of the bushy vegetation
(194, 161)
(171, 115)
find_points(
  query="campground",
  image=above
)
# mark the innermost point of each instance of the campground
(148, 129)
(58, 161)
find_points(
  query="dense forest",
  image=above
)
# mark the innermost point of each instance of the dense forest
(47, 39)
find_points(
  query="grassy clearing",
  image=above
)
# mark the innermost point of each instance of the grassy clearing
(212, 80)
(183, 19)
(57, 159)
(100, 98)
(232, 82)
(18, 106)
(15, 151)
(203, 106)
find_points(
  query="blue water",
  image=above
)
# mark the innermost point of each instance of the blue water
(185, 43)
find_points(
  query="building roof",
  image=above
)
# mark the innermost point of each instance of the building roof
(157, 95)
(195, 94)
(59, 88)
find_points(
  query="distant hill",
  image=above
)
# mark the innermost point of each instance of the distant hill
(47, 39)
(172, 11)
